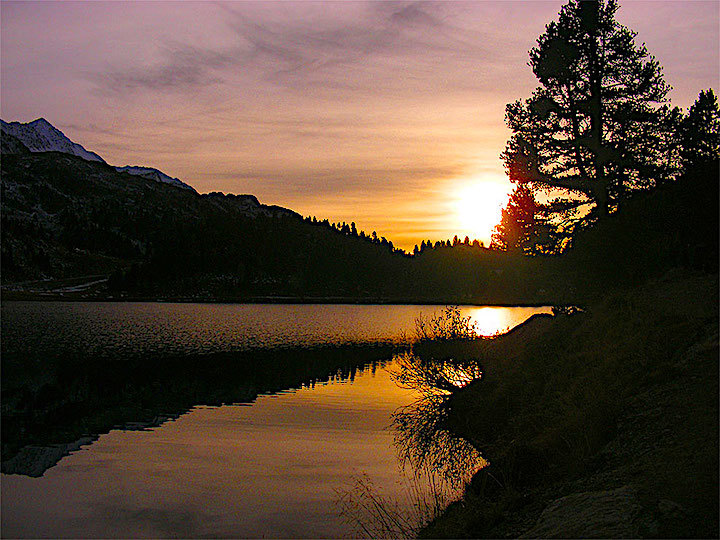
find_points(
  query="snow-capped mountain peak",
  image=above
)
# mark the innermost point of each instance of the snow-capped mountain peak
(153, 174)
(41, 136)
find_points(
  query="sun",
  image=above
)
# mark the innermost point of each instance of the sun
(478, 207)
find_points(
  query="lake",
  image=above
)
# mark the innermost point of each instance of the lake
(205, 420)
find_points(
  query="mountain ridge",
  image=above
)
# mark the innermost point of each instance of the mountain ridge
(64, 217)
(152, 173)
(41, 136)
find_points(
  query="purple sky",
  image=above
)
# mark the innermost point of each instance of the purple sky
(381, 113)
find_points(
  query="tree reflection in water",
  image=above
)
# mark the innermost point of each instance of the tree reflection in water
(421, 437)
(435, 463)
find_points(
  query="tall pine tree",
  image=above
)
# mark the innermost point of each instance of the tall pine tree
(518, 230)
(595, 127)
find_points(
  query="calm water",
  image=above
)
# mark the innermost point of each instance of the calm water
(88, 390)
(145, 327)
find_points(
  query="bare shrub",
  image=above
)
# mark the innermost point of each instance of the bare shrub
(446, 325)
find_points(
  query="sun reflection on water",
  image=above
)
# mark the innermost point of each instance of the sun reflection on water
(493, 320)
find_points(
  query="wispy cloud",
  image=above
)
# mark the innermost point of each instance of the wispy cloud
(184, 67)
(339, 55)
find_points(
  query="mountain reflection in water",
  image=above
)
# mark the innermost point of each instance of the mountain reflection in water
(272, 469)
(80, 399)
(87, 449)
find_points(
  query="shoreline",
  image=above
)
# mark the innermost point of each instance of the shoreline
(33, 296)
(600, 424)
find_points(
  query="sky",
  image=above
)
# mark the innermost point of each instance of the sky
(388, 114)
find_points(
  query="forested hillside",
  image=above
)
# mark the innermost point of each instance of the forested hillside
(64, 217)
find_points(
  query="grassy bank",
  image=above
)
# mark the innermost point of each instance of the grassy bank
(602, 423)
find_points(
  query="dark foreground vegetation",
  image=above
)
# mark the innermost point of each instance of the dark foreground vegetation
(602, 423)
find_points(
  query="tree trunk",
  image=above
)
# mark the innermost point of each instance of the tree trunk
(602, 199)
(596, 112)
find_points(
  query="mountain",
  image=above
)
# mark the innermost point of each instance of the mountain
(12, 145)
(41, 136)
(69, 224)
(153, 174)
(65, 217)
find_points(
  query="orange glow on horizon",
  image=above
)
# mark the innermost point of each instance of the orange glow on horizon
(438, 210)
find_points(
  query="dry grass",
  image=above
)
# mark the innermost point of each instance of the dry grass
(374, 515)
(446, 325)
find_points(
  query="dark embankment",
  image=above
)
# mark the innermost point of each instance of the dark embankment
(672, 226)
(605, 423)
(608, 419)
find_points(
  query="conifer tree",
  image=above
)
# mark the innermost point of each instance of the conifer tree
(595, 127)
(518, 230)
(700, 131)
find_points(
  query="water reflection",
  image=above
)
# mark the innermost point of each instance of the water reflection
(434, 377)
(268, 470)
(435, 463)
(134, 328)
(494, 320)
(372, 514)
(87, 392)
(422, 438)
(52, 410)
